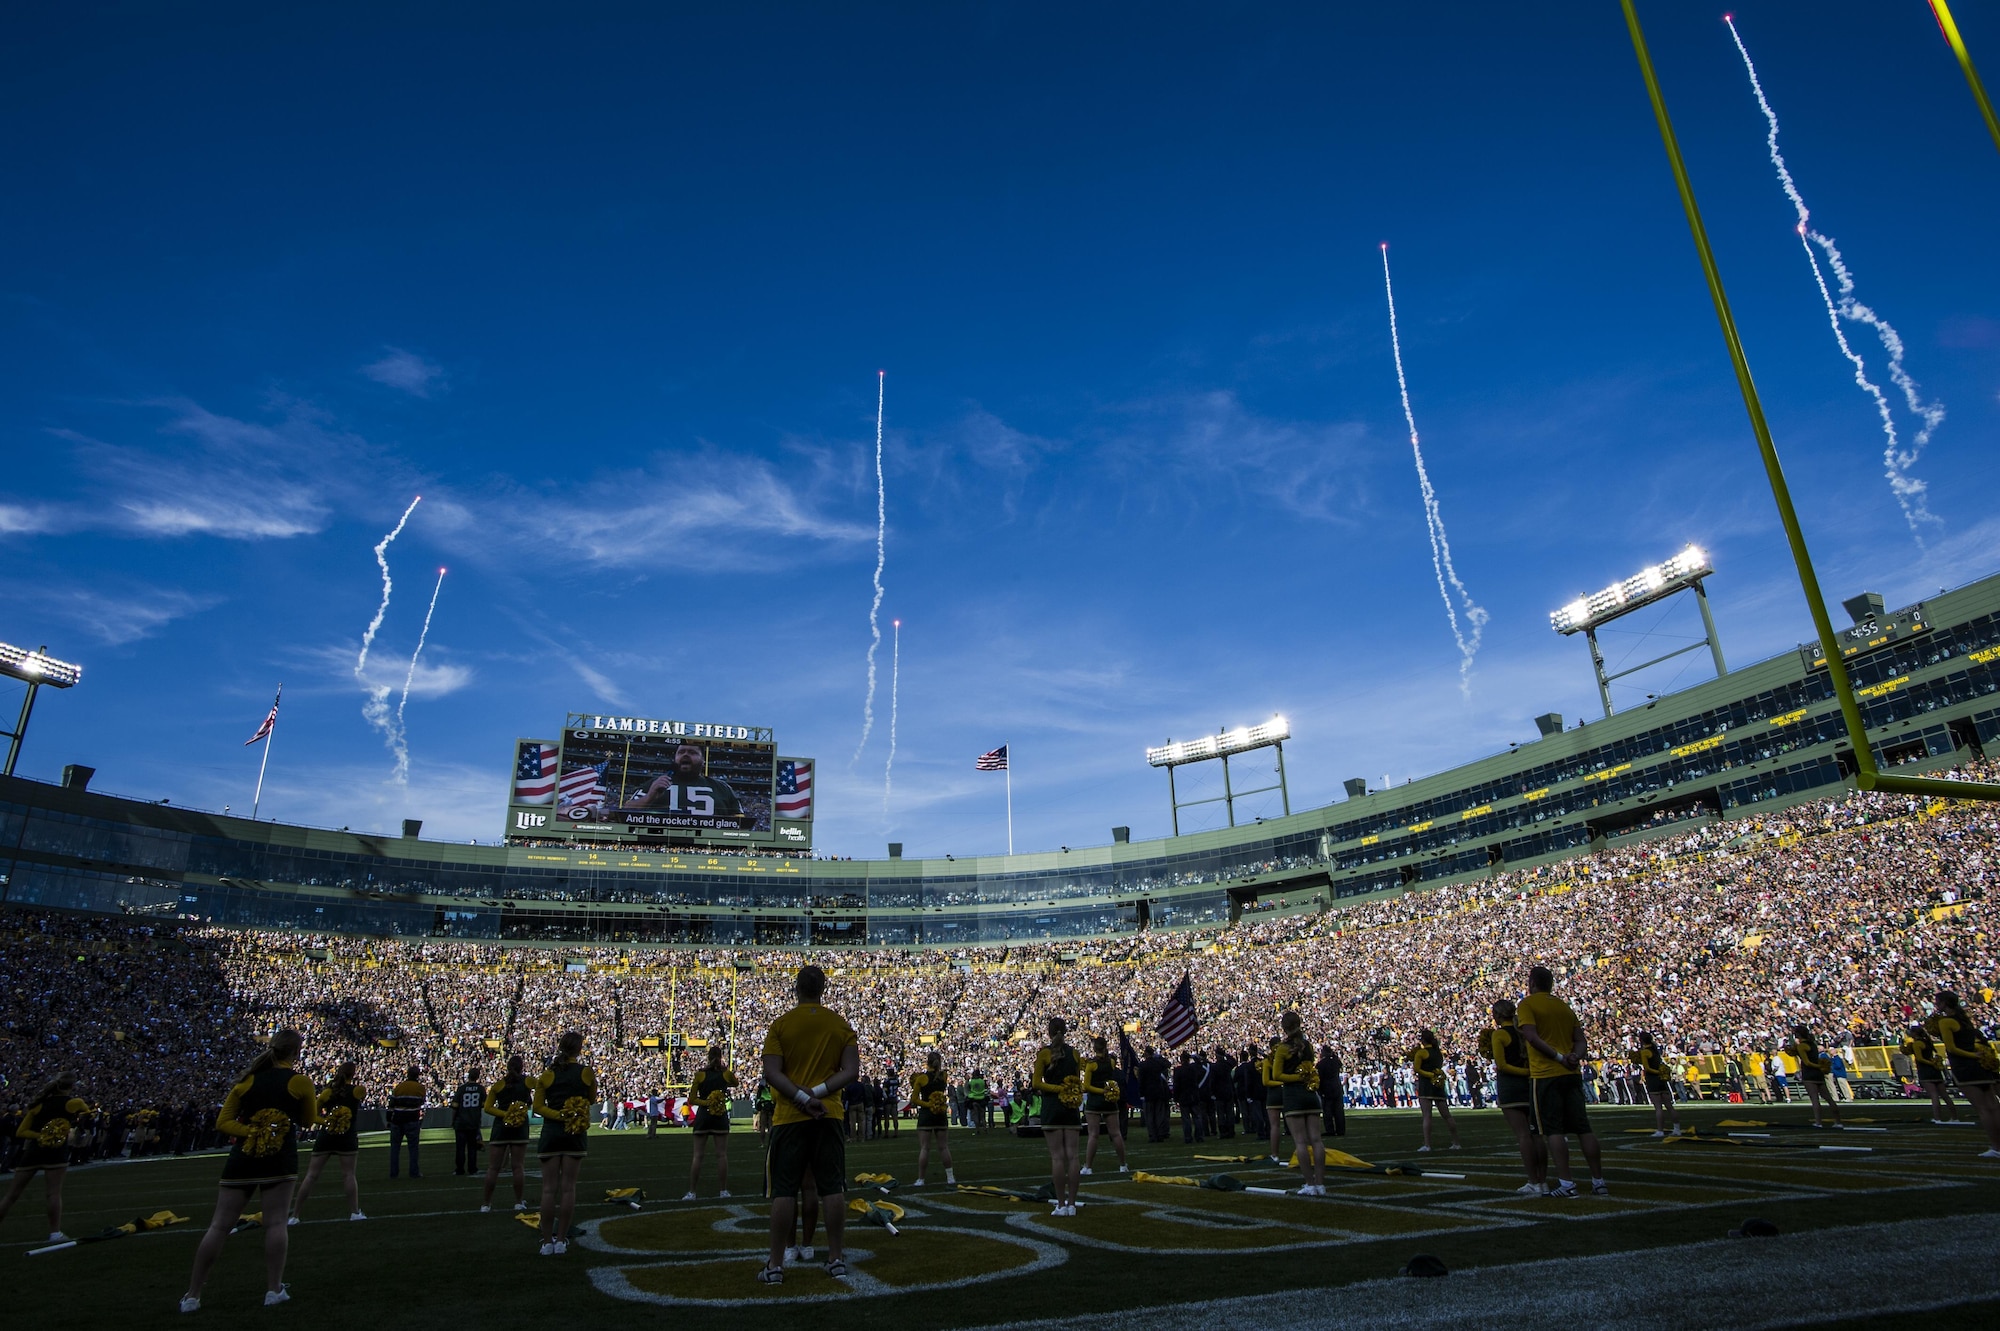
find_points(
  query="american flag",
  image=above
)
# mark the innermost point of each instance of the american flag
(270, 722)
(1177, 1023)
(535, 773)
(583, 787)
(995, 761)
(795, 789)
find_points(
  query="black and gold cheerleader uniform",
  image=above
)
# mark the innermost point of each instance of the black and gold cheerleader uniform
(1297, 1078)
(563, 1097)
(1972, 1063)
(1923, 1055)
(1274, 1093)
(932, 1093)
(264, 1113)
(1101, 1096)
(509, 1101)
(46, 1127)
(339, 1128)
(1059, 1078)
(1428, 1066)
(1652, 1071)
(1813, 1065)
(710, 1094)
(1508, 1049)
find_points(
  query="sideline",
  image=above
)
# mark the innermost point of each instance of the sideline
(1749, 1284)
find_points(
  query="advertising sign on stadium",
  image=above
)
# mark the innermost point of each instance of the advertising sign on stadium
(627, 778)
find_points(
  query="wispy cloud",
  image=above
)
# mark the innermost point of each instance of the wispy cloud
(214, 475)
(1308, 468)
(432, 679)
(704, 512)
(113, 615)
(408, 372)
(600, 683)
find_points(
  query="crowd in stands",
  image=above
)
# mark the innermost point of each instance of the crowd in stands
(1843, 914)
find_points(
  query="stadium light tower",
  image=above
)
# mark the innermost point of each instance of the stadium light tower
(1271, 735)
(1587, 614)
(34, 669)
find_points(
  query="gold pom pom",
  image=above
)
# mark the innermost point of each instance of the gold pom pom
(268, 1130)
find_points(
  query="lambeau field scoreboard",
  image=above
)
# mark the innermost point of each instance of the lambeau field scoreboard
(642, 779)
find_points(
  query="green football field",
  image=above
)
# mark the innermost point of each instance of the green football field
(1911, 1221)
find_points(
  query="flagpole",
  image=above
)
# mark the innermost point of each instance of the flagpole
(1010, 797)
(265, 762)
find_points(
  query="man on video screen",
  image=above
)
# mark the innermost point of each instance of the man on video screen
(689, 789)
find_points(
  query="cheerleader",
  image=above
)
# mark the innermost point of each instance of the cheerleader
(1813, 1068)
(1928, 1065)
(339, 1138)
(563, 1096)
(508, 1101)
(1101, 1104)
(263, 1112)
(1974, 1066)
(1427, 1069)
(45, 1126)
(1514, 1093)
(932, 1094)
(1297, 1077)
(710, 1094)
(1659, 1090)
(1058, 1075)
(1274, 1105)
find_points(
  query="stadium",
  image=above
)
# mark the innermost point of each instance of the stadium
(655, 1052)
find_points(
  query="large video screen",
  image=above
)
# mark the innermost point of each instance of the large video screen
(665, 781)
(636, 779)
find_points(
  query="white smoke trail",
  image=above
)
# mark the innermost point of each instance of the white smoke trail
(895, 694)
(1911, 494)
(376, 709)
(401, 740)
(1475, 615)
(875, 607)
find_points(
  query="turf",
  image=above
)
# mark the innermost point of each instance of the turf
(965, 1260)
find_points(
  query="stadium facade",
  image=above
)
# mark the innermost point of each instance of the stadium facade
(1755, 740)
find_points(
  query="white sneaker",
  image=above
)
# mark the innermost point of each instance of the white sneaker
(290, 1221)
(549, 1249)
(190, 1304)
(562, 1246)
(1989, 1155)
(274, 1297)
(723, 1193)
(805, 1252)
(1658, 1134)
(1529, 1190)
(520, 1206)
(356, 1215)
(1676, 1132)
(950, 1178)
(1456, 1147)
(1084, 1172)
(1422, 1149)
(485, 1210)
(1124, 1169)
(689, 1197)
(57, 1236)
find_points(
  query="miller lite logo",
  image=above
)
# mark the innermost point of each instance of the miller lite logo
(524, 820)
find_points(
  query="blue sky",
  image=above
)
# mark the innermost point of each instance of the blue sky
(611, 292)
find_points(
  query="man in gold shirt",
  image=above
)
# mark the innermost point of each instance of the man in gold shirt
(810, 1053)
(1555, 1059)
